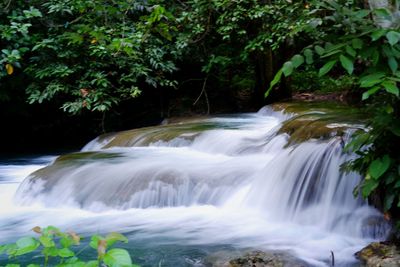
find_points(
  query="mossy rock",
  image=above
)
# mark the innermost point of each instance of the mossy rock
(329, 107)
(255, 258)
(318, 121)
(187, 129)
(379, 254)
(303, 130)
(87, 156)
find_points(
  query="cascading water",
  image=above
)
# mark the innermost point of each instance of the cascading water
(239, 181)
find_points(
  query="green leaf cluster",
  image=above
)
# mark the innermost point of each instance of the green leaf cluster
(57, 249)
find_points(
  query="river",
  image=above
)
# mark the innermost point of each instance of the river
(186, 191)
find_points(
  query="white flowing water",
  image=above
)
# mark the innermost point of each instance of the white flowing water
(232, 186)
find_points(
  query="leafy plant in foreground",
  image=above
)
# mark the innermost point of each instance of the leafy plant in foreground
(56, 248)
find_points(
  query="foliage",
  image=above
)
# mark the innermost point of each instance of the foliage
(91, 54)
(308, 80)
(57, 249)
(242, 39)
(353, 42)
(94, 54)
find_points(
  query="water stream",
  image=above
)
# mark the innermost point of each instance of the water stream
(184, 191)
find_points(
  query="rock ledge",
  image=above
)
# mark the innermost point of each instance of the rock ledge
(379, 254)
(255, 259)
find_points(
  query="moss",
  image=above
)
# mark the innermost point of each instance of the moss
(187, 129)
(379, 254)
(327, 107)
(303, 130)
(84, 156)
(318, 120)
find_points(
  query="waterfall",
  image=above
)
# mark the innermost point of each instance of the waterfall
(241, 164)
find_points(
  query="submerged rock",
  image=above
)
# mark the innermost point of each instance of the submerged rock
(254, 259)
(379, 254)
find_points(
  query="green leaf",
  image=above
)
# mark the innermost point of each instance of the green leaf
(276, 80)
(288, 68)
(26, 245)
(66, 242)
(94, 241)
(393, 37)
(50, 251)
(319, 50)
(327, 67)
(347, 64)
(72, 260)
(388, 50)
(350, 51)
(309, 56)
(10, 249)
(75, 264)
(392, 62)
(375, 57)
(46, 241)
(297, 60)
(33, 265)
(383, 13)
(357, 142)
(26, 242)
(50, 230)
(357, 43)
(369, 186)
(117, 258)
(394, 79)
(379, 166)
(114, 237)
(370, 92)
(377, 34)
(362, 13)
(391, 87)
(92, 264)
(12, 265)
(331, 53)
(65, 253)
(333, 48)
(371, 80)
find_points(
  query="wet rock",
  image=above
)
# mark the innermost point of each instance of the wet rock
(185, 129)
(254, 259)
(337, 96)
(379, 254)
(318, 121)
(301, 130)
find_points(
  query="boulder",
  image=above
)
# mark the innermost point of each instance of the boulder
(254, 259)
(379, 254)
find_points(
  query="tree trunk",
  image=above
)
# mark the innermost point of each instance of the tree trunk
(264, 72)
